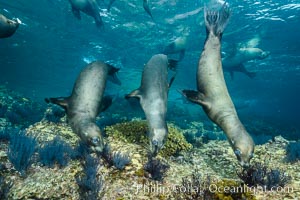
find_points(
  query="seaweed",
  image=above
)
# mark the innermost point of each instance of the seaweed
(20, 151)
(121, 160)
(4, 188)
(259, 175)
(13, 117)
(293, 152)
(89, 184)
(55, 151)
(156, 168)
(107, 155)
(55, 115)
(3, 110)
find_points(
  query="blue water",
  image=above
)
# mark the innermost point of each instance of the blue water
(45, 55)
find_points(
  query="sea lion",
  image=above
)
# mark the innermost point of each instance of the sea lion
(8, 26)
(147, 8)
(89, 7)
(153, 95)
(110, 4)
(86, 102)
(212, 93)
(177, 46)
(234, 63)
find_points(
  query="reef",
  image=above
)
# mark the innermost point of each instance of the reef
(209, 165)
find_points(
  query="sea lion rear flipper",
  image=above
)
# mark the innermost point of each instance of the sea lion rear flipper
(76, 13)
(134, 94)
(61, 101)
(195, 97)
(105, 103)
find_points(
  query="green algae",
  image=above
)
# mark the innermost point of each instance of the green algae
(136, 132)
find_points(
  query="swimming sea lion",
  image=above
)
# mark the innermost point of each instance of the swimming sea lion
(110, 4)
(212, 93)
(153, 95)
(234, 63)
(7, 26)
(86, 102)
(177, 46)
(89, 7)
(147, 8)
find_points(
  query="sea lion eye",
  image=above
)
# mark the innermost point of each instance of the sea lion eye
(237, 152)
(95, 140)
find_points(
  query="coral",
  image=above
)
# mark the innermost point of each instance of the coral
(20, 151)
(157, 168)
(89, 184)
(197, 186)
(136, 132)
(293, 152)
(121, 160)
(55, 151)
(259, 175)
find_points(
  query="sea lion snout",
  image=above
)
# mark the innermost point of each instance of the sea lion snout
(244, 155)
(93, 138)
(157, 140)
(264, 54)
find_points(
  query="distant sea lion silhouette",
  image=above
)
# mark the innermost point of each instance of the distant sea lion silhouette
(153, 95)
(212, 93)
(234, 63)
(177, 46)
(147, 8)
(8, 26)
(89, 7)
(87, 101)
(110, 3)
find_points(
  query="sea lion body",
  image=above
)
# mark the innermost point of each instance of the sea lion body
(86, 102)
(153, 95)
(7, 26)
(234, 63)
(212, 93)
(89, 7)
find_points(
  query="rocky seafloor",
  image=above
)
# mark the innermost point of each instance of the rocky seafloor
(200, 172)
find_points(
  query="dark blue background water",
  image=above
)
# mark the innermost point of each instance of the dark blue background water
(50, 48)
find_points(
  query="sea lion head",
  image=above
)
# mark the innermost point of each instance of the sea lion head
(264, 54)
(243, 148)
(157, 139)
(92, 136)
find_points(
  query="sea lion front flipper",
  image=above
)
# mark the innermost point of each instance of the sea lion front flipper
(243, 69)
(112, 72)
(110, 4)
(105, 103)
(195, 97)
(96, 13)
(172, 80)
(76, 13)
(61, 101)
(146, 8)
(134, 94)
(172, 64)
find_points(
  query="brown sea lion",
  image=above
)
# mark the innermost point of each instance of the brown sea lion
(7, 26)
(212, 93)
(86, 102)
(153, 95)
(89, 7)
